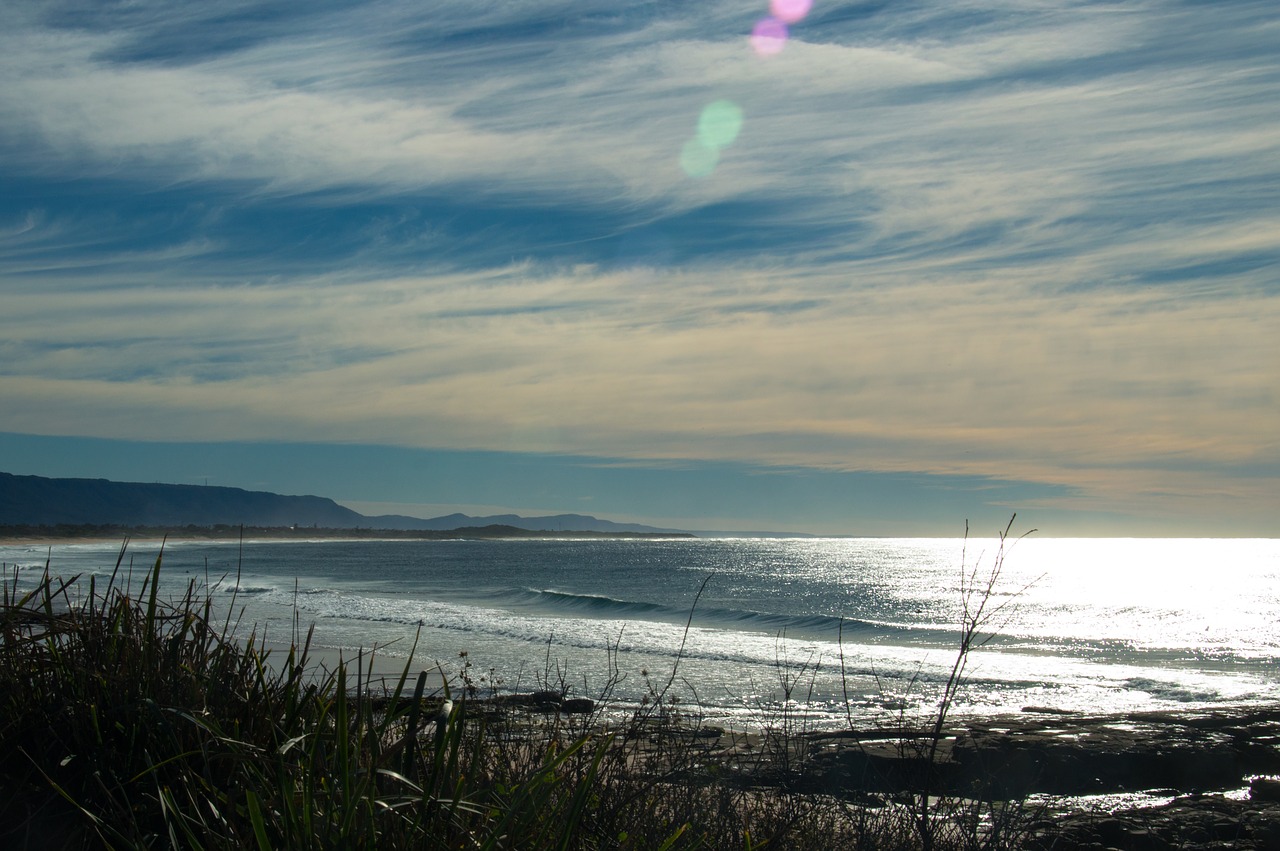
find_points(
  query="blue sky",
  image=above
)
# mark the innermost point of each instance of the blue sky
(930, 261)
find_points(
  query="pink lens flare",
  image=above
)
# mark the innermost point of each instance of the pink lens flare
(790, 11)
(769, 36)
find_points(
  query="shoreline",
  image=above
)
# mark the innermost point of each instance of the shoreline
(1173, 773)
(1039, 752)
(107, 533)
(1190, 751)
(1134, 807)
(1046, 771)
(390, 665)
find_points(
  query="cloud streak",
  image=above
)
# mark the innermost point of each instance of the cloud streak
(1018, 240)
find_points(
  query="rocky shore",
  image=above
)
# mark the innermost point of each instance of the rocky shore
(1148, 781)
(1197, 822)
(1184, 774)
(1052, 753)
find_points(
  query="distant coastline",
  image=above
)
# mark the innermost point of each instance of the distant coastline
(80, 508)
(91, 532)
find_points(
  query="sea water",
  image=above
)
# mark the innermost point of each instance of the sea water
(832, 631)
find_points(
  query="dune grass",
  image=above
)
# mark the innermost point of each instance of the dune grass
(128, 720)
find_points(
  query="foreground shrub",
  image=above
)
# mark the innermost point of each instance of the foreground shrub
(132, 721)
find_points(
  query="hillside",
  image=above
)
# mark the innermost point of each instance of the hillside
(34, 500)
(39, 501)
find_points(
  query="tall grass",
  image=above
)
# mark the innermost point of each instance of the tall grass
(132, 720)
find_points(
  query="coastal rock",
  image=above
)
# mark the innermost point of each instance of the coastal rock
(1192, 822)
(549, 701)
(866, 763)
(1011, 758)
(1106, 755)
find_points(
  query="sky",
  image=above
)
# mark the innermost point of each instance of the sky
(840, 268)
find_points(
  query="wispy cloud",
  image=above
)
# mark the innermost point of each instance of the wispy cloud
(1021, 239)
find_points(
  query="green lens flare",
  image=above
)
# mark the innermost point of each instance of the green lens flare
(697, 159)
(719, 124)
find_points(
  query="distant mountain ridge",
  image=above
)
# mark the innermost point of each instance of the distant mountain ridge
(40, 501)
(549, 523)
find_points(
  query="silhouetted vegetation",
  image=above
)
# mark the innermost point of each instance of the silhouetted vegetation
(132, 721)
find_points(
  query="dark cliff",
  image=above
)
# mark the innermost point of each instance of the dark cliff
(38, 501)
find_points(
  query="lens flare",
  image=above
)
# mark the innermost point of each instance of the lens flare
(719, 124)
(697, 159)
(790, 11)
(769, 36)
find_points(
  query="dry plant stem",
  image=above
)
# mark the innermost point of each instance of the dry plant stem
(976, 616)
(684, 638)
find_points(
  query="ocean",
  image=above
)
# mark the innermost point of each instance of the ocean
(836, 631)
